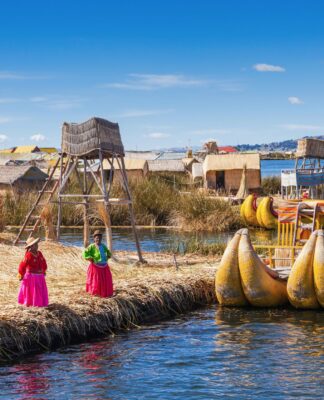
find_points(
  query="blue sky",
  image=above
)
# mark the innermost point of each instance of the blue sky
(171, 73)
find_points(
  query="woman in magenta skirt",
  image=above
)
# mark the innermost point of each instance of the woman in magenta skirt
(31, 273)
(99, 278)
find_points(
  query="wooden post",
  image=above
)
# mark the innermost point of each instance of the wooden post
(107, 207)
(130, 206)
(86, 227)
(59, 205)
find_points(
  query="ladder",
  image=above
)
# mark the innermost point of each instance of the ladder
(34, 215)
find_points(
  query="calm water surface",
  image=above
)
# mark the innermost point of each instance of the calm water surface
(210, 353)
(274, 167)
(159, 239)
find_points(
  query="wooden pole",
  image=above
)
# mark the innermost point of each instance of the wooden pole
(59, 211)
(130, 207)
(107, 207)
(86, 227)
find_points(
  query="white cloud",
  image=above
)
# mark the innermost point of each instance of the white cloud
(158, 135)
(143, 113)
(8, 100)
(295, 100)
(38, 138)
(301, 127)
(37, 99)
(268, 68)
(3, 120)
(155, 81)
(6, 75)
(3, 138)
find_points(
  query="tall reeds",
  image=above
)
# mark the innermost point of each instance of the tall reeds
(156, 201)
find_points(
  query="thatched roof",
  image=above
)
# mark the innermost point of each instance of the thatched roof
(7, 151)
(131, 164)
(310, 148)
(48, 150)
(224, 162)
(26, 149)
(166, 166)
(10, 174)
(87, 138)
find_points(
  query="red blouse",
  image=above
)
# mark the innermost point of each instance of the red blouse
(33, 264)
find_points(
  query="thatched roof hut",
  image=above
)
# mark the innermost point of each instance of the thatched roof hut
(21, 177)
(166, 166)
(87, 138)
(224, 171)
(26, 149)
(135, 168)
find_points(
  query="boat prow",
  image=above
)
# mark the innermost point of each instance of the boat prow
(260, 289)
(229, 290)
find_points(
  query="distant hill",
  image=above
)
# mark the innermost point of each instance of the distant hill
(285, 145)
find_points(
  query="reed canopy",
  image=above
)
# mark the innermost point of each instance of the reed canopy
(87, 138)
(313, 148)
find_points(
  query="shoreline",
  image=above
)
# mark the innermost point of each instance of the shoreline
(143, 294)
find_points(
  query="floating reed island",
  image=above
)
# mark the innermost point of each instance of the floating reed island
(144, 293)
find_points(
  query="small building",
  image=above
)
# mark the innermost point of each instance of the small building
(135, 168)
(224, 171)
(189, 162)
(227, 149)
(20, 178)
(164, 166)
(26, 149)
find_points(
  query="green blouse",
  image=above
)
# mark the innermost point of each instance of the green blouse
(99, 255)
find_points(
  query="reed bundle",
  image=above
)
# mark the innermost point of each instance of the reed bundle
(143, 294)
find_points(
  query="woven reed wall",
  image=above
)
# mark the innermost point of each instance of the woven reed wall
(87, 138)
(310, 148)
(233, 179)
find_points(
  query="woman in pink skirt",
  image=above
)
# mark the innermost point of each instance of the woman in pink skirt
(32, 270)
(99, 278)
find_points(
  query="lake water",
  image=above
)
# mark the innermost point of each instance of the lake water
(159, 239)
(274, 167)
(209, 353)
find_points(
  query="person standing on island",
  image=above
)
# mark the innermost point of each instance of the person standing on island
(31, 273)
(99, 278)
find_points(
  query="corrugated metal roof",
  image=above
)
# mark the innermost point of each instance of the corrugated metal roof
(130, 164)
(10, 174)
(166, 166)
(143, 155)
(223, 162)
(172, 155)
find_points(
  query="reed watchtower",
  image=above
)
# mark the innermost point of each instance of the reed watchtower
(83, 146)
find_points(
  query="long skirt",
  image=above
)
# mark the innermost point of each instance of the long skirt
(99, 281)
(33, 291)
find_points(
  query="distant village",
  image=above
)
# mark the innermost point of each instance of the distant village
(216, 167)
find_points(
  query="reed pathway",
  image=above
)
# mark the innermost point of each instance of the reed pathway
(144, 293)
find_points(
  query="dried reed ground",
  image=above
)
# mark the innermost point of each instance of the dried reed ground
(143, 294)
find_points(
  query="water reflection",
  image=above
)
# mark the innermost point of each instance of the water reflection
(225, 352)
